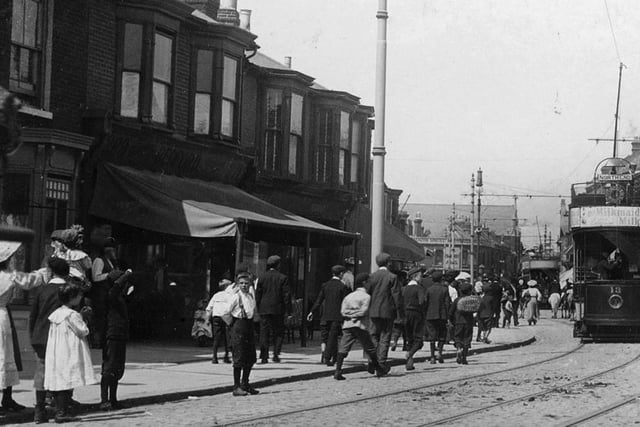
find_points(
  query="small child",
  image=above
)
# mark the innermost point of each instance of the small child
(67, 358)
(507, 311)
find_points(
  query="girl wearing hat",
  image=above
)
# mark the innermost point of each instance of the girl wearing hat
(532, 296)
(10, 361)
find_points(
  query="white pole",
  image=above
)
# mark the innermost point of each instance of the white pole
(378, 151)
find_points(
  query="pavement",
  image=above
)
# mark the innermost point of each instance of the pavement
(159, 372)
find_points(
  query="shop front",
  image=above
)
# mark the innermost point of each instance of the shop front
(182, 235)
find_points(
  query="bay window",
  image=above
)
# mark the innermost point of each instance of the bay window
(273, 131)
(27, 41)
(162, 77)
(295, 132)
(355, 150)
(322, 162)
(203, 93)
(146, 73)
(344, 148)
(229, 95)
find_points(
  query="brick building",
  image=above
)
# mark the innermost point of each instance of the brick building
(160, 123)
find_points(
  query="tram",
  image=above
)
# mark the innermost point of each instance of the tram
(604, 223)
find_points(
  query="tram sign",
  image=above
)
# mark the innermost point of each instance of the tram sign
(614, 169)
(604, 216)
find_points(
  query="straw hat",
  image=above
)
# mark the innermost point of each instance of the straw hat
(531, 283)
(7, 249)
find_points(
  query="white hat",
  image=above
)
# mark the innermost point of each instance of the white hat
(7, 249)
(463, 276)
(531, 283)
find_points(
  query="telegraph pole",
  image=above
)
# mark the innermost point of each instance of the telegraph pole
(472, 223)
(378, 150)
(479, 226)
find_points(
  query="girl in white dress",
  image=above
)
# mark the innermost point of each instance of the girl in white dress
(9, 354)
(67, 360)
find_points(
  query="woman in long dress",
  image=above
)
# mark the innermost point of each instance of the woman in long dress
(10, 354)
(533, 296)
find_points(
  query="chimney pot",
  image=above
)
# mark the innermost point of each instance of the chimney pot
(287, 61)
(245, 19)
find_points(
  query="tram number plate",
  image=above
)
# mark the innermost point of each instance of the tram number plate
(616, 289)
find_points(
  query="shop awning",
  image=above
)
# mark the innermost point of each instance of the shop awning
(401, 246)
(189, 207)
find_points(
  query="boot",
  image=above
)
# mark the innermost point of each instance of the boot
(245, 382)
(459, 355)
(113, 395)
(105, 405)
(226, 358)
(237, 390)
(339, 360)
(62, 399)
(322, 358)
(8, 404)
(440, 357)
(40, 416)
(465, 351)
(409, 365)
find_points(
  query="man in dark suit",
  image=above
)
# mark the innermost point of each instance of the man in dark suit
(385, 306)
(437, 303)
(330, 297)
(273, 300)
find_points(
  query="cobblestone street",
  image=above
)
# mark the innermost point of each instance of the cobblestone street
(409, 398)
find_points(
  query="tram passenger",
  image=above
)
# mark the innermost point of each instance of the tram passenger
(609, 266)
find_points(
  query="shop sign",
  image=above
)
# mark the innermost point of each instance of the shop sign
(604, 216)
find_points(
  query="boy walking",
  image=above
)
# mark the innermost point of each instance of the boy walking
(355, 308)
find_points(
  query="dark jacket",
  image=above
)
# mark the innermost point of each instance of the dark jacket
(458, 317)
(272, 293)
(331, 294)
(413, 298)
(488, 306)
(437, 302)
(117, 325)
(385, 291)
(45, 302)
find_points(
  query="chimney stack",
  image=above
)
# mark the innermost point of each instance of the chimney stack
(228, 13)
(287, 61)
(208, 7)
(417, 225)
(245, 19)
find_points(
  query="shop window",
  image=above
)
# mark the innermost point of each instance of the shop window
(146, 86)
(57, 198)
(323, 150)
(344, 148)
(27, 41)
(204, 92)
(229, 96)
(295, 132)
(273, 132)
(355, 150)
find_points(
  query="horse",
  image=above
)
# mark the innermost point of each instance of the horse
(567, 305)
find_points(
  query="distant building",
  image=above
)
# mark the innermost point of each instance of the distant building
(445, 234)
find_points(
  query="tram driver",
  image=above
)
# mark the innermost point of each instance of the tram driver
(611, 265)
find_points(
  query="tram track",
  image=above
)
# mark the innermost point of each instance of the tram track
(546, 391)
(405, 390)
(593, 415)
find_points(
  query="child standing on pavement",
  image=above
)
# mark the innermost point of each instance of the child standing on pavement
(242, 308)
(67, 359)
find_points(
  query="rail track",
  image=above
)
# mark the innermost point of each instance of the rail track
(546, 391)
(407, 390)
(594, 415)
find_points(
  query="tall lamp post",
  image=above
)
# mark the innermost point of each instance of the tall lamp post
(378, 150)
(479, 225)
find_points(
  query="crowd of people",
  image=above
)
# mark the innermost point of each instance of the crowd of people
(374, 310)
(78, 303)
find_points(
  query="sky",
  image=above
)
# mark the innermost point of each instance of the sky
(517, 88)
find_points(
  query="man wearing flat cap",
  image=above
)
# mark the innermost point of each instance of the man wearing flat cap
(385, 290)
(330, 297)
(273, 300)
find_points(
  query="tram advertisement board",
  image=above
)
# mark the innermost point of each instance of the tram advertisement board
(604, 216)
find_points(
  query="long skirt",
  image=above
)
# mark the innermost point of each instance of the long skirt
(8, 369)
(243, 343)
(531, 311)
